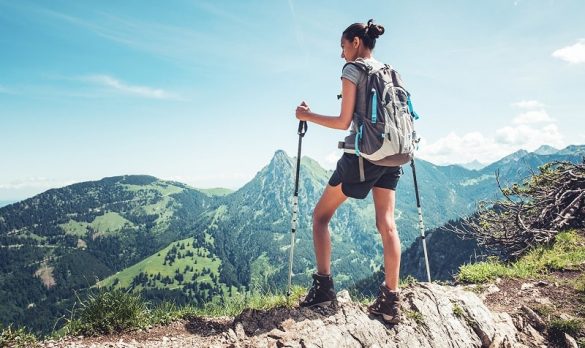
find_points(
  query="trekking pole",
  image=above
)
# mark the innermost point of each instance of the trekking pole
(420, 219)
(295, 207)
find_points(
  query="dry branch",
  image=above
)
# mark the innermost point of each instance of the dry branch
(531, 213)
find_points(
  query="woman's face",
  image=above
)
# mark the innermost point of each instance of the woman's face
(349, 49)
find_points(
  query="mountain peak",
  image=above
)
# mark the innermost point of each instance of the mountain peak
(280, 154)
(515, 156)
(280, 159)
(545, 150)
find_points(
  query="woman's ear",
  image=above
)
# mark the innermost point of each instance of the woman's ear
(356, 42)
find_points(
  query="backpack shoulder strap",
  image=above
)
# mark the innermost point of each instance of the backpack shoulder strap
(360, 65)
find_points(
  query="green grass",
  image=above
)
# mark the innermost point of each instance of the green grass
(457, 310)
(106, 312)
(154, 265)
(407, 281)
(415, 315)
(579, 284)
(544, 310)
(558, 327)
(567, 253)
(159, 207)
(75, 228)
(107, 224)
(237, 303)
(17, 338)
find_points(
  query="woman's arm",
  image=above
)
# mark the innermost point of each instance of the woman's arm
(343, 121)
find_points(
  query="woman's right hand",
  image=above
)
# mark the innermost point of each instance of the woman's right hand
(303, 111)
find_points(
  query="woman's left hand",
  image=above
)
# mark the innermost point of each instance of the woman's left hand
(303, 111)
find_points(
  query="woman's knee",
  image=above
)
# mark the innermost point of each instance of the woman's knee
(386, 227)
(321, 218)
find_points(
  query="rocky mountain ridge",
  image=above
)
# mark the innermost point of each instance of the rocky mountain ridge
(434, 316)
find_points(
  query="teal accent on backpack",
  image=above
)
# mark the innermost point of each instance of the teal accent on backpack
(412, 112)
(374, 106)
(357, 139)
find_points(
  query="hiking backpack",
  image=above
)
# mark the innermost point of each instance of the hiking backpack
(385, 135)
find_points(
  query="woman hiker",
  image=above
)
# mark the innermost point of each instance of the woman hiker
(357, 43)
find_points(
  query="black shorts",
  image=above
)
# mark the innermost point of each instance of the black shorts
(347, 174)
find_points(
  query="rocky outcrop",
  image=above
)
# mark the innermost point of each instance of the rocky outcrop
(433, 316)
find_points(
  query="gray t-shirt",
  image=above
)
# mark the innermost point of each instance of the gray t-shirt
(359, 77)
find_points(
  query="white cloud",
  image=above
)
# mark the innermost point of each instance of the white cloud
(34, 182)
(529, 130)
(331, 159)
(573, 54)
(461, 149)
(529, 104)
(533, 116)
(122, 87)
(528, 137)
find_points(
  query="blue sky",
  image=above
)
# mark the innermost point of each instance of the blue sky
(204, 92)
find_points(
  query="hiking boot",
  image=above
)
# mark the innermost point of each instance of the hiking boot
(321, 293)
(387, 305)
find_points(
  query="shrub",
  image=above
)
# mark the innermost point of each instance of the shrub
(108, 312)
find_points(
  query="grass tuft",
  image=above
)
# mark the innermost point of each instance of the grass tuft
(106, 312)
(17, 338)
(416, 316)
(457, 310)
(558, 327)
(567, 253)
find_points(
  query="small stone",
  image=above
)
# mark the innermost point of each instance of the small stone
(343, 296)
(232, 336)
(543, 300)
(535, 336)
(492, 289)
(498, 280)
(542, 283)
(566, 317)
(570, 342)
(287, 325)
(240, 330)
(165, 339)
(526, 286)
(519, 322)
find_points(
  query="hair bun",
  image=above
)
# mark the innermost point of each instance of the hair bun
(374, 30)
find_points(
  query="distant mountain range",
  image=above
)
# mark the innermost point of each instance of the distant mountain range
(169, 240)
(474, 165)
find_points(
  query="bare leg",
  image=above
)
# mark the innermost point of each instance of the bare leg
(330, 200)
(384, 201)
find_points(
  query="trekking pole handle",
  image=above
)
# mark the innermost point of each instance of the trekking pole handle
(302, 128)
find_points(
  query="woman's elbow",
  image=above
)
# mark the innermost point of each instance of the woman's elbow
(344, 125)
